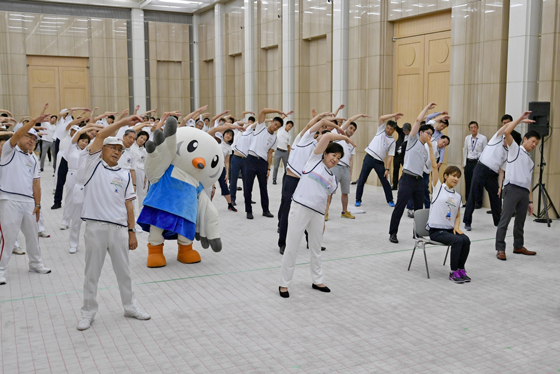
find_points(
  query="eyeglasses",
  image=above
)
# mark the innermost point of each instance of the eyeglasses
(115, 148)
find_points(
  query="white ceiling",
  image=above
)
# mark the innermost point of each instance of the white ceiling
(186, 6)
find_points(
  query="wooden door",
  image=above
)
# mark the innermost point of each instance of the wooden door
(63, 82)
(437, 66)
(409, 85)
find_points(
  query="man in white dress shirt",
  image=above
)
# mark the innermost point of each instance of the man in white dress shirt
(472, 149)
(47, 140)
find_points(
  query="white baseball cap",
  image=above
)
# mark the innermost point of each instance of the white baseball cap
(75, 127)
(113, 140)
(431, 122)
(33, 132)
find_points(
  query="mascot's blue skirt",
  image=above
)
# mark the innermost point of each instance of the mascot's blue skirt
(171, 224)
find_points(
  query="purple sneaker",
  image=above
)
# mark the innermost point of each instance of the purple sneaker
(464, 275)
(455, 276)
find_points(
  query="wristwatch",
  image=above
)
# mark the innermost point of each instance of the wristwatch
(38, 206)
(131, 230)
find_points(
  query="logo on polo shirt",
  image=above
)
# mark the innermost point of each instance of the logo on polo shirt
(29, 166)
(117, 182)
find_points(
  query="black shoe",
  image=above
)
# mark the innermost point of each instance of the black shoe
(253, 202)
(249, 215)
(41, 169)
(239, 189)
(232, 208)
(274, 182)
(268, 214)
(394, 188)
(56, 206)
(464, 206)
(468, 227)
(285, 294)
(322, 289)
(477, 206)
(233, 203)
(282, 249)
(393, 238)
(355, 182)
(488, 212)
(323, 248)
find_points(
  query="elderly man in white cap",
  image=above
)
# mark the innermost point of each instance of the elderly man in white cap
(20, 197)
(109, 215)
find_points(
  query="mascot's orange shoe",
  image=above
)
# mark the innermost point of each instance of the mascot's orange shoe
(156, 259)
(187, 255)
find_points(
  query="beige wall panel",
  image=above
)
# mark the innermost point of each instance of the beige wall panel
(74, 87)
(423, 25)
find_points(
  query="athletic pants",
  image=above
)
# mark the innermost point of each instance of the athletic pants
(368, 164)
(16, 216)
(45, 147)
(279, 154)
(141, 190)
(289, 185)
(255, 167)
(301, 219)
(516, 200)
(484, 177)
(237, 165)
(67, 210)
(100, 238)
(60, 180)
(409, 186)
(460, 246)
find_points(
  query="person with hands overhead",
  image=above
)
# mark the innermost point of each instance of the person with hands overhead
(259, 160)
(445, 217)
(20, 197)
(379, 156)
(109, 216)
(307, 213)
(411, 183)
(517, 192)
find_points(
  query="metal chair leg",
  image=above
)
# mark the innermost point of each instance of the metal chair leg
(426, 260)
(446, 253)
(411, 257)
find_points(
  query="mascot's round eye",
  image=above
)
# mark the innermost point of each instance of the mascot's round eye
(192, 146)
(215, 161)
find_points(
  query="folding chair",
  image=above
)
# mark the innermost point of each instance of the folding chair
(422, 236)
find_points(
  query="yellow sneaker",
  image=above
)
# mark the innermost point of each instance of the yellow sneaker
(347, 215)
(326, 217)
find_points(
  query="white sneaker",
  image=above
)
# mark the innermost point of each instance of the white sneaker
(138, 228)
(138, 314)
(73, 250)
(84, 324)
(18, 251)
(2, 279)
(64, 227)
(41, 269)
(44, 234)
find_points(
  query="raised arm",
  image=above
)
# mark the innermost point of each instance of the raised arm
(327, 138)
(314, 121)
(223, 128)
(83, 130)
(217, 116)
(352, 119)
(339, 109)
(23, 130)
(386, 117)
(122, 115)
(110, 130)
(420, 118)
(265, 111)
(74, 122)
(511, 125)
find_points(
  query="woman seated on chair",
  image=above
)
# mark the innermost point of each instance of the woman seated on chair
(445, 218)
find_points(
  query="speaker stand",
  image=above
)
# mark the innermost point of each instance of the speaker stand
(544, 197)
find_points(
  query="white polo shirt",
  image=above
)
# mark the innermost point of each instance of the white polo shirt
(495, 154)
(446, 203)
(519, 167)
(415, 156)
(127, 160)
(284, 139)
(243, 142)
(349, 151)
(301, 152)
(18, 170)
(48, 137)
(106, 190)
(381, 144)
(316, 184)
(72, 156)
(262, 141)
(61, 126)
(139, 155)
(226, 149)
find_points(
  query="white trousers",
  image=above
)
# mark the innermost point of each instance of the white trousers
(16, 216)
(301, 219)
(41, 223)
(71, 179)
(101, 238)
(75, 224)
(141, 190)
(156, 237)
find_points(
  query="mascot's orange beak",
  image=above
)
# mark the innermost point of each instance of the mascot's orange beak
(199, 163)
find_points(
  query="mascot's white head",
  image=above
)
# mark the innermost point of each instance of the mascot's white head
(199, 155)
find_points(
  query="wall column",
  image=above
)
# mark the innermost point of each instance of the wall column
(340, 55)
(219, 65)
(288, 55)
(249, 54)
(138, 59)
(196, 62)
(523, 56)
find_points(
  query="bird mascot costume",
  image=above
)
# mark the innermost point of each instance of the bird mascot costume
(181, 162)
